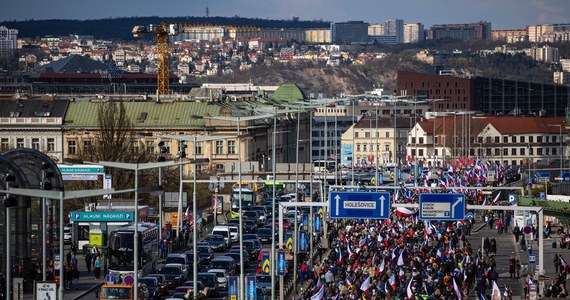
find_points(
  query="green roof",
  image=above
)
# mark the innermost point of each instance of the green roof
(288, 92)
(144, 114)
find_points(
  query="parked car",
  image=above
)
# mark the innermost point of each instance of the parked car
(222, 276)
(217, 242)
(175, 274)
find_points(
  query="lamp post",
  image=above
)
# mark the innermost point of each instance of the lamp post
(136, 167)
(61, 196)
(46, 185)
(195, 140)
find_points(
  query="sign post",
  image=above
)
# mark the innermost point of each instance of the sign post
(233, 287)
(442, 207)
(281, 263)
(347, 205)
(251, 288)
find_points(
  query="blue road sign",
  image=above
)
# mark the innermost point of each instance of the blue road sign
(317, 223)
(102, 216)
(251, 283)
(442, 207)
(565, 177)
(302, 241)
(305, 222)
(289, 241)
(512, 199)
(364, 205)
(281, 263)
(469, 216)
(265, 263)
(542, 176)
(542, 196)
(233, 287)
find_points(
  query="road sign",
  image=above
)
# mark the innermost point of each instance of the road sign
(542, 176)
(527, 230)
(265, 263)
(303, 241)
(109, 279)
(317, 223)
(531, 259)
(442, 207)
(281, 263)
(102, 216)
(359, 205)
(305, 222)
(233, 287)
(565, 177)
(129, 279)
(289, 241)
(469, 216)
(81, 169)
(512, 199)
(542, 196)
(251, 288)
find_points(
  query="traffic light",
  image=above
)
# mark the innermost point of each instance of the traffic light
(10, 201)
(162, 150)
(182, 153)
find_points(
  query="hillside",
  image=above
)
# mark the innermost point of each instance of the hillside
(120, 28)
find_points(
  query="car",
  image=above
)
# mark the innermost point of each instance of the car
(224, 231)
(264, 281)
(161, 282)
(234, 233)
(217, 242)
(249, 236)
(155, 291)
(249, 226)
(253, 215)
(190, 255)
(186, 290)
(251, 248)
(236, 257)
(265, 235)
(235, 249)
(258, 245)
(205, 253)
(210, 281)
(222, 276)
(234, 222)
(175, 274)
(223, 262)
(178, 258)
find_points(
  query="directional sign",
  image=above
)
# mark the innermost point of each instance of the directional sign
(102, 216)
(81, 169)
(289, 241)
(542, 176)
(318, 223)
(364, 205)
(265, 263)
(281, 263)
(251, 288)
(233, 287)
(442, 207)
(565, 177)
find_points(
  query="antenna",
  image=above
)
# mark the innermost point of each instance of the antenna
(207, 10)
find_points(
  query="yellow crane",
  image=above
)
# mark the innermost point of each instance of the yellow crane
(161, 33)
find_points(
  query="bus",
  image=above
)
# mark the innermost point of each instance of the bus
(120, 249)
(324, 166)
(248, 199)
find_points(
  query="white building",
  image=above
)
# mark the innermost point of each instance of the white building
(413, 32)
(8, 39)
(562, 78)
(395, 27)
(376, 29)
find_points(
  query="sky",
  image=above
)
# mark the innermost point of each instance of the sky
(503, 14)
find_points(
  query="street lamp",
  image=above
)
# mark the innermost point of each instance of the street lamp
(195, 140)
(62, 196)
(133, 167)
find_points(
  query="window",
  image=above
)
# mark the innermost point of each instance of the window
(554, 151)
(497, 151)
(36, 144)
(514, 162)
(479, 139)
(436, 152)
(413, 140)
(488, 152)
(19, 143)
(356, 134)
(554, 139)
(387, 147)
(522, 139)
(505, 151)
(539, 139)
(87, 144)
(514, 151)
(530, 151)
(539, 151)
(522, 151)
(387, 134)
(72, 147)
(4, 144)
(357, 147)
(546, 138)
(231, 147)
(414, 152)
(364, 147)
(50, 144)
(505, 139)
(198, 148)
(421, 152)
(367, 135)
(421, 140)
(547, 151)
(150, 147)
(219, 147)
(514, 139)
(219, 167)
(531, 139)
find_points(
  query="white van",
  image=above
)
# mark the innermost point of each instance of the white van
(225, 232)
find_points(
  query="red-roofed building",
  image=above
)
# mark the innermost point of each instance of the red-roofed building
(507, 139)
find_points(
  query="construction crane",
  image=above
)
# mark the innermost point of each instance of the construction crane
(161, 33)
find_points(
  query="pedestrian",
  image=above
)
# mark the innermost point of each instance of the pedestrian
(499, 226)
(97, 267)
(516, 232)
(518, 268)
(556, 262)
(88, 261)
(512, 266)
(303, 272)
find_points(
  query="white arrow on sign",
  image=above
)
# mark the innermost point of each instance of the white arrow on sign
(382, 199)
(337, 198)
(459, 199)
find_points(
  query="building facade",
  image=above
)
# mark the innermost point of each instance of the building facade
(395, 27)
(479, 31)
(8, 39)
(546, 54)
(562, 78)
(413, 33)
(510, 35)
(351, 32)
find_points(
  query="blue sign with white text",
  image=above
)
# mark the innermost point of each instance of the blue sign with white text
(305, 222)
(251, 284)
(365, 205)
(442, 207)
(565, 177)
(102, 216)
(233, 289)
(317, 223)
(303, 241)
(281, 263)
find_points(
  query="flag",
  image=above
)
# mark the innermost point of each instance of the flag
(409, 289)
(563, 262)
(456, 290)
(497, 197)
(348, 283)
(365, 285)
(392, 281)
(348, 248)
(403, 255)
(381, 268)
(496, 295)
(320, 294)
(339, 256)
(318, 285)
(482, 297)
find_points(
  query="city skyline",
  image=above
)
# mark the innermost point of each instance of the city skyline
(507, 14)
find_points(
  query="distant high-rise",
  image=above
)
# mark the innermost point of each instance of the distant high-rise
(8, 39)
(351, 32)
(395, 27)
(479, 31)
(376, 29)
(413, 32)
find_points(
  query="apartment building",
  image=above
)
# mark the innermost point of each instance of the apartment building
(413, 32)
(351, 32)
(480, 31)
(8, 39)
(395, 27)
(510, 35)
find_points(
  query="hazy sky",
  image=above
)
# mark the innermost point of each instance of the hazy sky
(503, 14)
